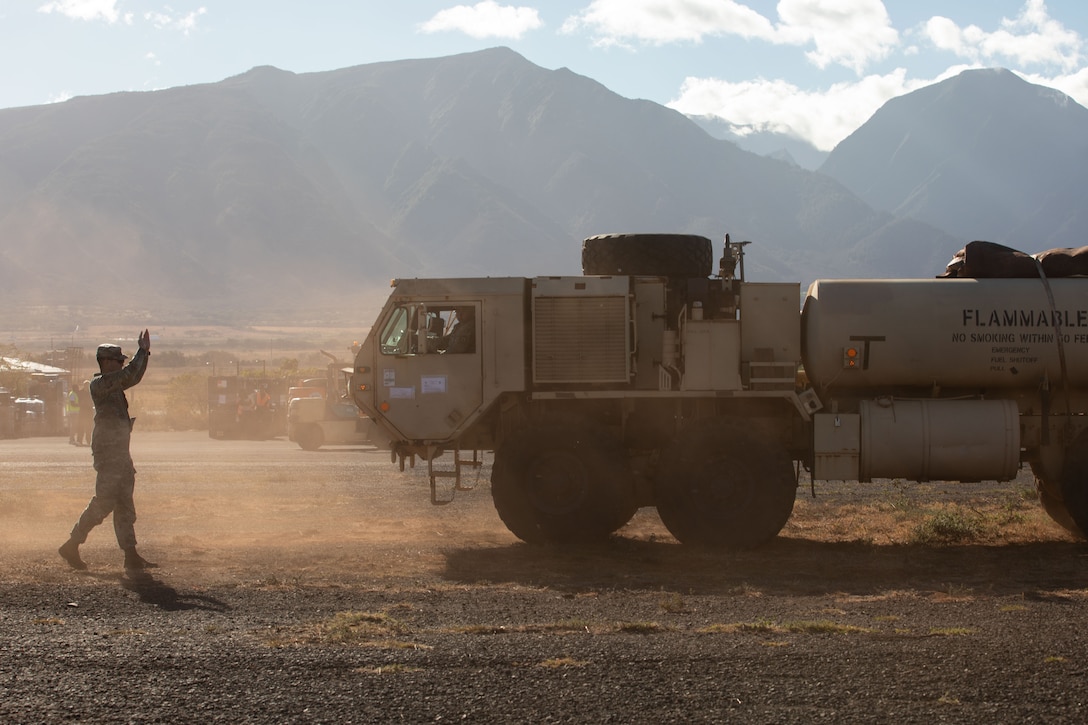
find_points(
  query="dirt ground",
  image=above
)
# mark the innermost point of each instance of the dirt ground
(324, 587)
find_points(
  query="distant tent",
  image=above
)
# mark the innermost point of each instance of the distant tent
(15, 364)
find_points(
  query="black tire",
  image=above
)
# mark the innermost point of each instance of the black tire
(663, 255)
(719, 485)
(1074, 482)
(1050, 497)
(560, 482)
(311, 437)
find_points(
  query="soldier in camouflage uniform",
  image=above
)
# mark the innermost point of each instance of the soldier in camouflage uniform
(110, 449)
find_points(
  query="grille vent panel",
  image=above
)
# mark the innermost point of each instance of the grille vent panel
(580, 340)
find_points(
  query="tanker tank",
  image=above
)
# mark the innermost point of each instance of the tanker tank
(950, 333)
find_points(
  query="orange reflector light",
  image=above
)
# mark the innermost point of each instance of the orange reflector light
(850, 357)
(364, 387)
(384, 407)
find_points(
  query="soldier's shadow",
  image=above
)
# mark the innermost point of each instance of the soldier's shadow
(162, 595)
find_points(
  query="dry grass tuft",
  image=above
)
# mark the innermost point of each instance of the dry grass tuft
(560, 662)
(824, 626)
(765, 626)
(366, 629)
(951, 631)
(640, 627)
(393, 669)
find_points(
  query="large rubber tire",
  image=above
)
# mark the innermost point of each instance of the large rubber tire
(560, 482)
(1074, 482)
(311, 437)
(1050, 497)
(722, 486)
(663, 255)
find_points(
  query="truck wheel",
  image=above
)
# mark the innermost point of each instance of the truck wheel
(560, 482)
(311, 437)
(1074, 483)
(1051, 499)
(719, 485)
(664, 255)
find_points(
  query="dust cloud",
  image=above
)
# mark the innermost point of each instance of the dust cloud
(224, 511)
(217, 513)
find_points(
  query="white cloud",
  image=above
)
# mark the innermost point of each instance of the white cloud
(84, 9)
(827, 116)
(107, 10)
(823, 118)
(486, 19)
(615, 22)
(168, 20)
(1032, 38)
(851, 33)
(1074, 85)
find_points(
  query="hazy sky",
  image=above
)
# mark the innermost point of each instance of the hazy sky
(813, 68)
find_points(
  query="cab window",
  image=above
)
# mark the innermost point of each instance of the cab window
(394, 340)
(430, 329)
(451, 330)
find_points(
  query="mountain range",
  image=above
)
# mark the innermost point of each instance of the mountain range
(983, 155)
(272, 194)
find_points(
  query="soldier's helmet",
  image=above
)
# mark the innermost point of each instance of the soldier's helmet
(110, 352)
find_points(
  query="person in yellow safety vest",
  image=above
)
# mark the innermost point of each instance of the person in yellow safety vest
(86, 414)
(71, 414)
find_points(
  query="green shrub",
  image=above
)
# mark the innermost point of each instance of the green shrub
(187, 402)
(947, 527)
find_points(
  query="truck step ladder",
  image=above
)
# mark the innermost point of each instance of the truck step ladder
(458, 463)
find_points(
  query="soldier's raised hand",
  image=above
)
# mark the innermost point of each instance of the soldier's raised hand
(145, 341)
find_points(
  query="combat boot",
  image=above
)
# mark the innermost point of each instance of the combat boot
(135, 562)
(69, 550)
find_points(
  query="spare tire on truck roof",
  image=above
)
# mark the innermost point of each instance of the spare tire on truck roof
(663, 255)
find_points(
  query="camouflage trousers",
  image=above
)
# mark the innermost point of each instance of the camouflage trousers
(112, 494)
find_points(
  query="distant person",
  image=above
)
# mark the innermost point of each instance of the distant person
(71, 415)
(112, 460)
(86, 414)
(462, 338)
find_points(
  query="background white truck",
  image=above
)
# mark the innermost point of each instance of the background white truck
(649, 382)
(320, 412)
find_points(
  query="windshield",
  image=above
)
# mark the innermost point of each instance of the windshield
(435, 329)
(395, 334)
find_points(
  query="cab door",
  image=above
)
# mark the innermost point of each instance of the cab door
(428, 377)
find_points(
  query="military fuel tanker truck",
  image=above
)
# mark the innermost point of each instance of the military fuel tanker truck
(650, 381)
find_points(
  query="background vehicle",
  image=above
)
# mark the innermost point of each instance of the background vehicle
(649, 382)
(247, 407)
(320, 412)
(30, 417)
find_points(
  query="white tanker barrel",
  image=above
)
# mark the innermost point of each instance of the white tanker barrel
(939, 440)
(976, 333)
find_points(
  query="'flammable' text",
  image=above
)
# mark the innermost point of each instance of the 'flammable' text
(1025, 318)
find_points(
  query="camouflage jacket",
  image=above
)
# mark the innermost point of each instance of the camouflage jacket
(112, 425)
